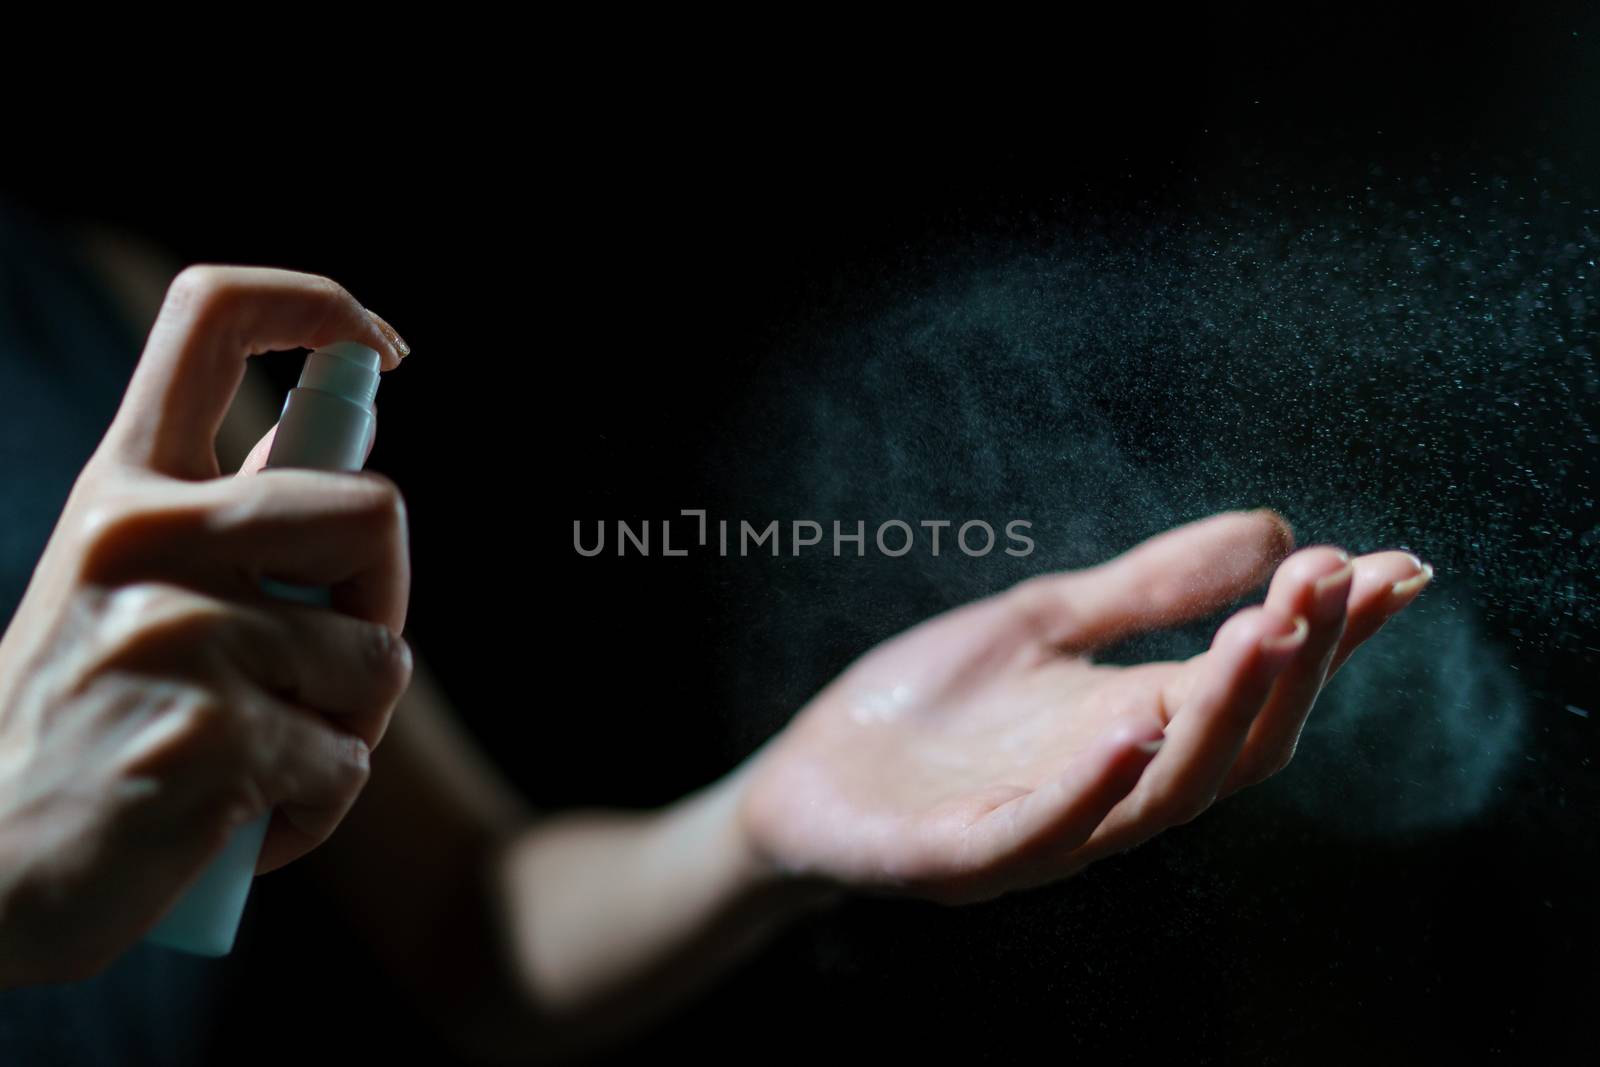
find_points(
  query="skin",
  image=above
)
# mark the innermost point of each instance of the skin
(980, 752)
(985, 751)
(151, 698)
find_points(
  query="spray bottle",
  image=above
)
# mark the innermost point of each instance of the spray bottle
(327, 424)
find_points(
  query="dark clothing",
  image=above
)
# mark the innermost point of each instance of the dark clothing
(66, 354)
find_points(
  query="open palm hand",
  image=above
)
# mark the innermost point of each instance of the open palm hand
(983, 750)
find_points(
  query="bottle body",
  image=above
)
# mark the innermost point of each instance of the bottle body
(327, 424)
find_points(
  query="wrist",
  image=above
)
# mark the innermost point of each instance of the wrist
(745, 872)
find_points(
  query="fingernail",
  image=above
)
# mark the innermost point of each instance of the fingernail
(1329, 592)
(1407, 586)
(389, 332)
(1282, 534)
(1289, 641)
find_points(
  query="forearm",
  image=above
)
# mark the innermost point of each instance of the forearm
(611, 918)
(521, 935)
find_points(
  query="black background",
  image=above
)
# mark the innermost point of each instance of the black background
(592, 278)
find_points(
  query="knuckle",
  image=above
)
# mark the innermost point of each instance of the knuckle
(104, 532)
(329, 288)
(244, 504)
(389, 655)
(1028, 598)
(350, 767)
(196, 289)
(1047, 614)
(333, 300)
(196, 738)
(197, 727)
(205, 720)
(111, 530)
(144, 616)
(383, 504)
(358, 762)
(101, 521)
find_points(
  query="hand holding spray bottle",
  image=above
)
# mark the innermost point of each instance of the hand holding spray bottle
(327, 424)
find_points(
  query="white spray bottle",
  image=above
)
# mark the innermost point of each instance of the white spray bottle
(327, 424)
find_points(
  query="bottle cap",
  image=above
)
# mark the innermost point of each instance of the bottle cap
(344, 369)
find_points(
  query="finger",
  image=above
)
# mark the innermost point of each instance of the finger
(313, 528)
(398, 343)
(257, 459)
(215, 317)
(1315, 584)
(1385, 584)
(231, 759)
(348, 669)
(1030, 837)
(311, 773)
(1172, 578)
(1228, 687)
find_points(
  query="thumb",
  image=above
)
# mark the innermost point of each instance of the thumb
(258, 455)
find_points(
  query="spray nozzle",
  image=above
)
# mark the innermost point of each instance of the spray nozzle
(345, 369)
